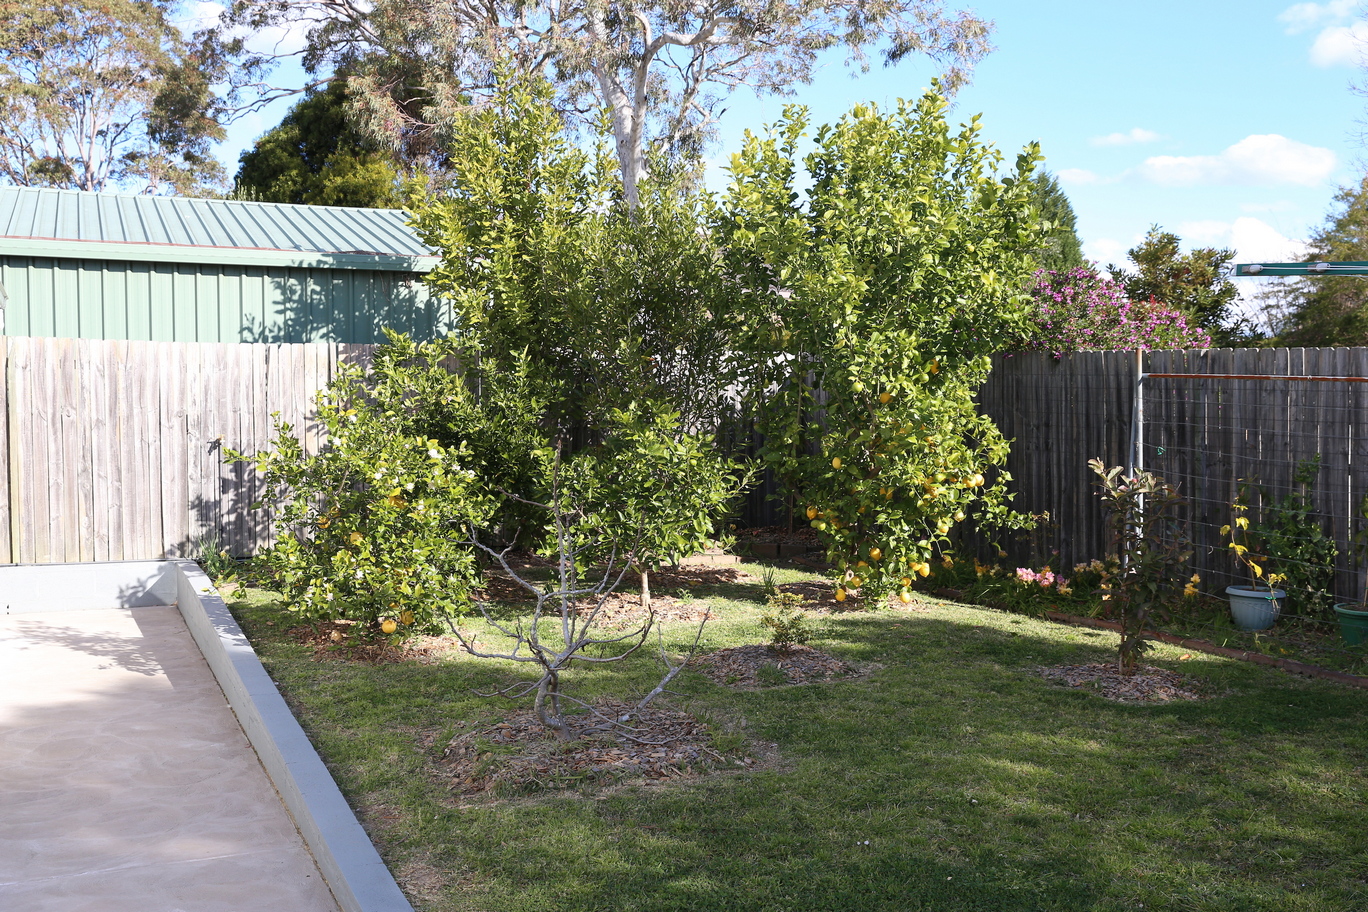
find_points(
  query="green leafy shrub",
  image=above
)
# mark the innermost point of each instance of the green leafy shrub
(1299, 551)
(1149, 546)
(371, 527)
(786, 621)
(875, 298)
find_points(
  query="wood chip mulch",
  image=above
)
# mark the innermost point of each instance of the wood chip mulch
(741, 666)
(622, 610)
(689, 576)
(340, 641)
(1147, 685)
(521, 753)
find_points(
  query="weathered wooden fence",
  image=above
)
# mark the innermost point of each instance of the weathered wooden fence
(114, 450)
(1231, 417)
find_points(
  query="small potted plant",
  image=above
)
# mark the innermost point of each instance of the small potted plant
(1256, 606)
(1353, 616)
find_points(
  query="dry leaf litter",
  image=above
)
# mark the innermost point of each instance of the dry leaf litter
(520, 752)
(1147, 685)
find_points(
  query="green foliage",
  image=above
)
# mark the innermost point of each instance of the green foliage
(1196, 283)
(1291, 534)
(373, 525)
(1149, 546)
(103, 95)
(786, 622)
(646, 492)
(315, 155)
(1330, 310)
(215, 560)
(875, 302)
(544, 261)
(1060, 249)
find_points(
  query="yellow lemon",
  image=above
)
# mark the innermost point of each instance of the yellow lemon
(811, 512)
(906, 581)
(840, 594)
(875, 554)
(388, 625)
(924, 570)
(885, 397)
(855, 582)
(836, 463)
(904, 596)
(406, 618)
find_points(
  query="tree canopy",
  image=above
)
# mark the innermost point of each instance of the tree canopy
(318, 157)
(659, 69)
(102, 95)
(1330, 310)
(1197, 283)
(1060, 250)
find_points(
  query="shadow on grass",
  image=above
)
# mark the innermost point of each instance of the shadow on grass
(954, 778)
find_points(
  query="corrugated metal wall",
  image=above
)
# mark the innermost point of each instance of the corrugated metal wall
(173, 302)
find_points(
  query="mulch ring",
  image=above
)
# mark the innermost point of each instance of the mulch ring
(819, 597)
(622, 610)
(1147, 685)
(341, 641)
(761, 666)
(523, 755)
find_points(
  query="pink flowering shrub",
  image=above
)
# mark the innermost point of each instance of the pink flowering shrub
(1078, 310)
(1045, 579)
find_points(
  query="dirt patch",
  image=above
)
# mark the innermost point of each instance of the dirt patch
(687, 577)
(501, 589)
(521, 754)
(622, 610)
(1147, 685)
(761, 666)
(344, 641)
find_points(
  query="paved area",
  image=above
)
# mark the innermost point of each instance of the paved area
(126, 784)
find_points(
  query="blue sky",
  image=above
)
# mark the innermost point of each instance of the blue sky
(1231, 124)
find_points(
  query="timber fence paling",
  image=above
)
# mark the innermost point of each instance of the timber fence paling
(1228, 416)
(113, 450)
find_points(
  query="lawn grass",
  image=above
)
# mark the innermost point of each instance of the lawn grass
(952, 777)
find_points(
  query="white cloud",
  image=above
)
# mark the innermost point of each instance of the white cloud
(1137, 135)
(1305, 16)
(1340, 45)
(1340, 42)
(1077, 177)
(1260, 159)
(1105, 251)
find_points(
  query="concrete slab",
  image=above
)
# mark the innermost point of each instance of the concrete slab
(126, 782)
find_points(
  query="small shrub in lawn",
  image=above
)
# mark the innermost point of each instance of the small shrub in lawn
(1149, 546)
(787, 623)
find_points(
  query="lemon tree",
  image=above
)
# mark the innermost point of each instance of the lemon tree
(884, 267)
(373, 526)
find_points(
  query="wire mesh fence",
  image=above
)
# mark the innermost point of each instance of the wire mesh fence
(1278, 437)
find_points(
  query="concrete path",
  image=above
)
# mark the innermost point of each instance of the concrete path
(126, 784)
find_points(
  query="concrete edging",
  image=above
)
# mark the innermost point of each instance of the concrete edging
(350, 866)
(348, 861)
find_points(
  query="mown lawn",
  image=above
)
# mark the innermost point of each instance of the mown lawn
(952, 777)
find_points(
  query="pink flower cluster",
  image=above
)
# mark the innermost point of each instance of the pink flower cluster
(1079, 310)
(1044, 578)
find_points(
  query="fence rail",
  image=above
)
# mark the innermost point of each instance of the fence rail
(1214, 422)
(113, 450)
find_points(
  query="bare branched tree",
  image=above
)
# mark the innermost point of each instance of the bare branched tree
(661, 69)
(563, 627)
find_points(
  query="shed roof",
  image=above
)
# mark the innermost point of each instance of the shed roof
(73, 223)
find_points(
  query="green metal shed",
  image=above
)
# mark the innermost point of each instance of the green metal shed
(108, 266)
